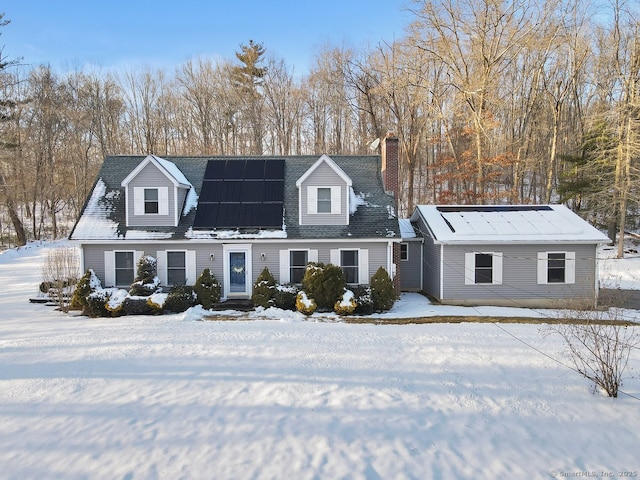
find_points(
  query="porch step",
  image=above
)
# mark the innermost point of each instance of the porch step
(243, 305)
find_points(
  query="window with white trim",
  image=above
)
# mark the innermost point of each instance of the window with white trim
(483, 268)
(176, 268)
(349, 265)
(556, 267)
(324, 200)
(124, 268)
(404, 252)
(151, 201)
(298, 260)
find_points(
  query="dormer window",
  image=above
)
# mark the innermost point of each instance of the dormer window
(324, 200)
(151, 200)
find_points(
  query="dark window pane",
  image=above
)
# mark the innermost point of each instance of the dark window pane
(151, 200)
(349, 264)
(324, 200)
(556, 267)
(124, 268)
(404, 251)
(175, 260)
(297, 264)
(484, 268)
(176, 271)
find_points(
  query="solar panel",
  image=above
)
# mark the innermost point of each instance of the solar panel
(241, 193)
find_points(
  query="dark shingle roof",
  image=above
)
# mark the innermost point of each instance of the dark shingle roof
(374, 217)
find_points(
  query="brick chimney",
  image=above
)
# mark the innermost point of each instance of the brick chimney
(389, 171)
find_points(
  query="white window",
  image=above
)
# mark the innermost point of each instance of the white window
(293, 264)
(483, 268)
(176, 267)
(324, 200)
(151, 201)
(354, 263)
(556, 267)
(120, 267)
(298, 260)
(404, 252)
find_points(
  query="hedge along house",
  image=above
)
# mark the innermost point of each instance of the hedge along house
(237, 215)
(526, 256)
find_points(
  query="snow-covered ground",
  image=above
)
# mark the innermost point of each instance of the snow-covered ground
(285, 397)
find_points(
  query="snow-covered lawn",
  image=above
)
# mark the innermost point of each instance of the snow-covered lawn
(173, 397)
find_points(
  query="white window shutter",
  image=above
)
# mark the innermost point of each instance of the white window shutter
(138, 200)
(335, 200)
(469, 268)
(497, 268)
(570, 267)
(163, 201)
(312, 200)
(542, 268)
(334, 257)
(284, 267)
(109, 268)
(137, 255)
(363, 266)
(190, 262)
(162, 266)
(312, 256)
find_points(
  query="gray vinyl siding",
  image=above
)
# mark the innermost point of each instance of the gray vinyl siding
(431, 267)
(519, 277)
(324, 176)
(93, 254)
(411, 269)
(151, 177)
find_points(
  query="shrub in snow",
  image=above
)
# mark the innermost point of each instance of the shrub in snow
(96, 303)
(146, 282)
(346, 305)
(156, 302)
(180, 298)
(60, 273)
(323, 283)
(137, 306)
(382, 291)
(88, 283)
(207, 289)
(264, 289)
(304, 304)
(364, 300)
(285, 297)
(115, 302)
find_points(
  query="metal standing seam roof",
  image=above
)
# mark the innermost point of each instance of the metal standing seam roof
(507, 223)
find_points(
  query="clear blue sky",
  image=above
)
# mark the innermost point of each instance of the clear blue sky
(120, 34)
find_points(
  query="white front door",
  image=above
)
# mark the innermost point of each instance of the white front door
(237, 271)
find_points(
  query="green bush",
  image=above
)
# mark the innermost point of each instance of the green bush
(285, 297)
(146, 282)
(180, 298)
(207, 289)
(323, 283)
(97, 303)
(88, 283)
(264, 290)
(137, 306)
(364, 301)
(382, 291)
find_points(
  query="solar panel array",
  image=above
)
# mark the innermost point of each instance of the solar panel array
(241, 193)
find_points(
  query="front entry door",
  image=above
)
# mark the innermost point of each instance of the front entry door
(237, 281)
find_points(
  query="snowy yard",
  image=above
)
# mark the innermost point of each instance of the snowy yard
(173, 397)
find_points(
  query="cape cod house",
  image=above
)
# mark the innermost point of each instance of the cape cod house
(505, 255)
(237, 215)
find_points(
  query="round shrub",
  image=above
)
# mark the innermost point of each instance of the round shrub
(304, 304)
(323, 283)
(136, 306)
(382, 290)
(180, 298)
(285, 297)
(346, 305)
(96, 303)
(364, 301)
(156, 302)
(207, 289)
(264, 289)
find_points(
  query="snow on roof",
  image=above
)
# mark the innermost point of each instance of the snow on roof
(507, 223)
(406, 229)
(173, 170)
(94, 222)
